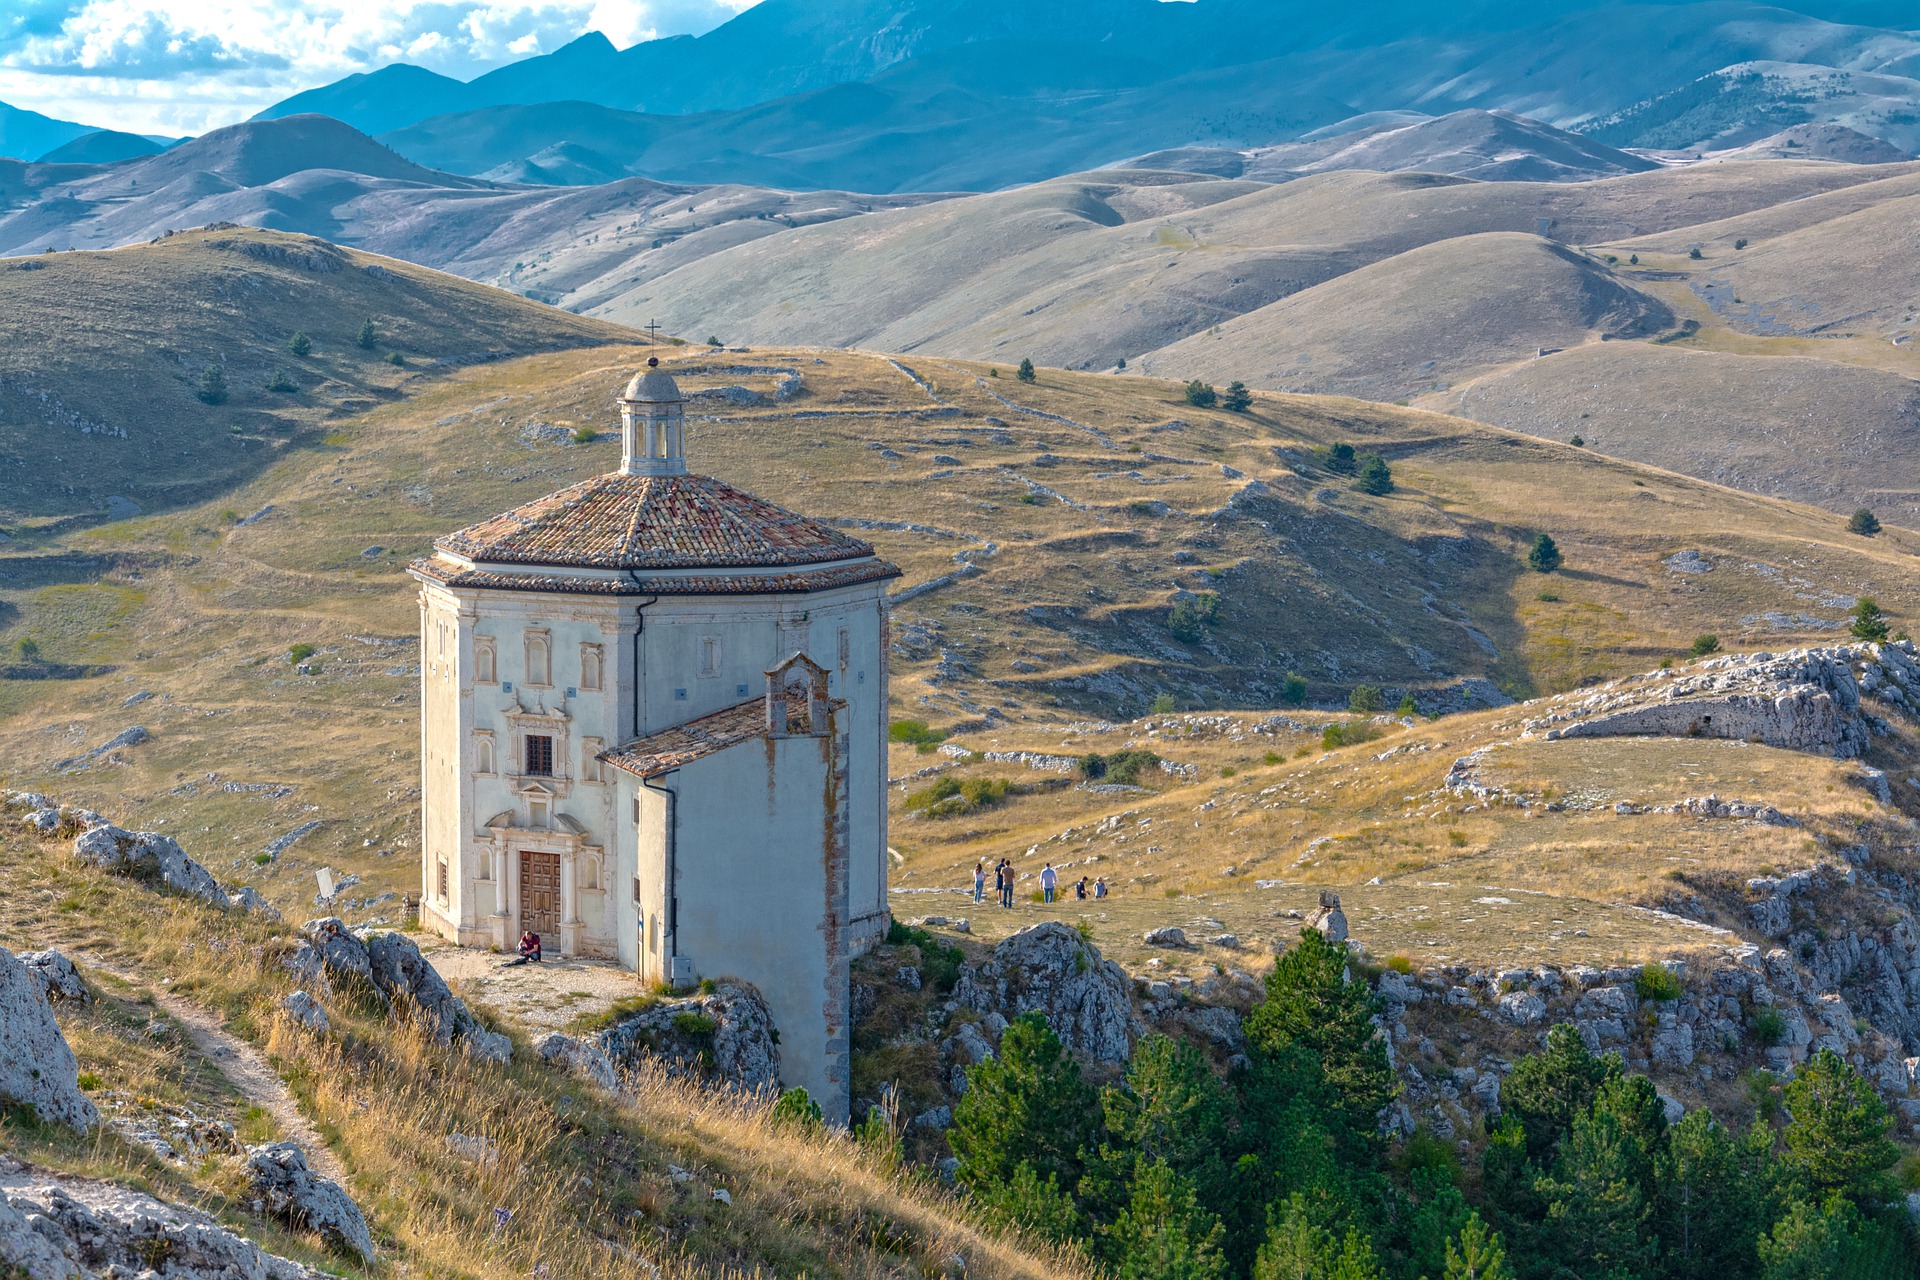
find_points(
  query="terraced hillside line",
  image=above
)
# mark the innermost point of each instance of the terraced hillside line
(244, 1066)
(1017, 407)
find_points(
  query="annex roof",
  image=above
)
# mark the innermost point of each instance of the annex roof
(669, 749)
(652, 522)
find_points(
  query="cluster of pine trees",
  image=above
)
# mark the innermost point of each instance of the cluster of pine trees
(1280, 1171)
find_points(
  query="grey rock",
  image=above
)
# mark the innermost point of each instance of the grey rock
(399, 972)
(582, 1058)
(1674, 1110)
(1051, 969)
(298, 1196)
(37, 1068)
(58, 978)
(1673, 1046)
(246, 898)
(150, 856)
(967, 1046)
(1166, 936)
(1605, 1002)
(1486, 1091)
(738, 1052)
(935, 1119)
(343, 956)
(306, 1011)
(1215, 1025)
(53, 1226)
(1328, 918)
(1522, 1008)
(908, 976)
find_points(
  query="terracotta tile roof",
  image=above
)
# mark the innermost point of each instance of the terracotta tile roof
(663, 752)
(705, 584)
(652, 522)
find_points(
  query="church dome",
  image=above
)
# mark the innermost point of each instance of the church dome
(676, 521)
(653, 385)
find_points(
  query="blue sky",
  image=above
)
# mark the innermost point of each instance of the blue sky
(185, 66)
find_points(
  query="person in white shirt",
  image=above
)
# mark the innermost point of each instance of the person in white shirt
(1049, 881)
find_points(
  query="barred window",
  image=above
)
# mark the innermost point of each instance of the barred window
(539, 755)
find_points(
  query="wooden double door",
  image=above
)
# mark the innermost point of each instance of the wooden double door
(540, 895)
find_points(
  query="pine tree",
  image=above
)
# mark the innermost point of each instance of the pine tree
(1025, 373)
(1544, 556)
(1864, 523)
(300, 344)
(369, 335)
(1164, 1233)
(1597, 1211)
(1299, 1249)
(1200, 395)
(1341, 459)
(1237, 398)
(1028, 1107)
(1869, 620)
(213, 385)
(1838, 1134)
(1172, 1109)
(1481, 1254)
(1712, 1203)
(1312, 1002)
(1030, 1203)
(1545, 1091)
(1375, 476)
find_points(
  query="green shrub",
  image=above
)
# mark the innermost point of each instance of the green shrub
(1769, 1025)
(587, 435)
(949, 797)
(1375, 477)
(1657, 982)
(1025, 372)
(213, 385)
(1200, 395)
(1352, 733)
(714, 342)
(1578, 442)
(1741, 243)
(1237, 398)
(1366, 699)
(282, 383)
(1192, 617)
(1340, 459)
(796, 1107)
(1695, 254)
(1544, 555)
(1161, 705)
(369, 335)
(300, 653)
(396, 359)
(1125, 767)
(1869, 620)
(1407, 707)
(1864, 523)
(695, 1026)
(1293, 690)
(916, 733)
(300, 344)
(1093, 766)
(28, 649)
(1703, 645)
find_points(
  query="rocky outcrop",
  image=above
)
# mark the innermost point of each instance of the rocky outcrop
(1802, 700)
(152, 857)
(37, 1068)
(287, 1189)
(1328, 918)
(57, 976)
(582, 1058)
(1051, 969)
(54, 1226)
(402, 974)
(306, 1011)
(724, 1037)
(391, 966)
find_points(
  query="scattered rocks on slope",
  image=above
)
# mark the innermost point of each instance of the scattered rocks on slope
(37, 1068)
(149, 856)
(1049, 967)
(725, 1036)
(58, 978)
(54, 1225)
(289, 1190)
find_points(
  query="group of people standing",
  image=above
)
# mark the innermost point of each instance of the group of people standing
(1004, 876)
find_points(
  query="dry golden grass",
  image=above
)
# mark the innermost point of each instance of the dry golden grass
(586, 1177)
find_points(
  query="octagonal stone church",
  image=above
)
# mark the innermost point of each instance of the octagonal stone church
(653, 729)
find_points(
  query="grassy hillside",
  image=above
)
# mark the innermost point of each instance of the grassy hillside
(1080, 530)
(103, 356)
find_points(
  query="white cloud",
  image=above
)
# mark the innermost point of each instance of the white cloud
(158, 66)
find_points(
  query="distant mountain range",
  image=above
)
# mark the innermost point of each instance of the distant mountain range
(900, 95)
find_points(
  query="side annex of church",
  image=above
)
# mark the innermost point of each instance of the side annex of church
(653, 729)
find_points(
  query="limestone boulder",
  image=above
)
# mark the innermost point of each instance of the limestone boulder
(1329, 919)
(1050, 969)
(37, 1068)
(149, 856)
(57, 976)
(1165, 936)
(583, 1058)
(290, 1191)
(401, 974)
(723, 1037)
(53, 1226)
(246, 898)
(306, 1011)
(341, 956)
(1522, 1008)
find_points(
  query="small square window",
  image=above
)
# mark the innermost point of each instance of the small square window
(740, 691)
(441, 885)
(506, 686)
(679, 695)
(539, 759)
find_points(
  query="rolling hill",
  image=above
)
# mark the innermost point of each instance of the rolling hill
(102, 370)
